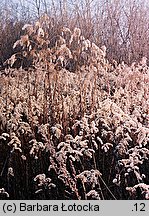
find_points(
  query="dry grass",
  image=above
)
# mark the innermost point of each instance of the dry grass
(122, 26)
(72, 125)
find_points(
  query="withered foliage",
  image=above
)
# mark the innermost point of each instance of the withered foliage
(72, 125)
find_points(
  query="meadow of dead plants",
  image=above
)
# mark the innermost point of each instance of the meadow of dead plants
(72, 124)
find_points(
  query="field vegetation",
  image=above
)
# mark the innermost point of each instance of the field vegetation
(74, 102)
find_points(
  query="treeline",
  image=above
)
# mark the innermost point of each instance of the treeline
(121, 25)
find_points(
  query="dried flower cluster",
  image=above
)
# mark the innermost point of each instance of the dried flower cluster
(72, 125)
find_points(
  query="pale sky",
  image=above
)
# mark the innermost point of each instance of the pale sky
(71, 4)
